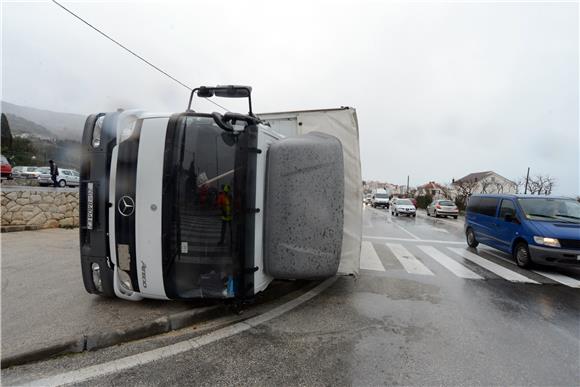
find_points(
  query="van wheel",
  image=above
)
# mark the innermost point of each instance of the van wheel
(471, 241)
(62, 183)
(522, 255)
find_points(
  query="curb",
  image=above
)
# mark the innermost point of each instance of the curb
(22, 227)
(108, 339)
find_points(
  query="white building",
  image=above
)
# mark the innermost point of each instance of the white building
(483, 182)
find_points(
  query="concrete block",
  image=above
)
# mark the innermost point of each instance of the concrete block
(35, 198)
(23, 201)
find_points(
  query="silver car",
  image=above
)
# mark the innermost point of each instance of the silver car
(66, 177)
(403, 207)
(442, 207)
(25, 172)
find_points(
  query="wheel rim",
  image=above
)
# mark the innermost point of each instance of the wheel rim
(522, 255)
(470, 237)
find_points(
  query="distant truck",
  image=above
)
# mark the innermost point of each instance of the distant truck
(380, 198)
(207, 205)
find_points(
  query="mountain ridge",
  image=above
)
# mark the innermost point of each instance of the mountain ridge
(63, 126)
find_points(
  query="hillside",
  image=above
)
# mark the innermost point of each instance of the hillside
(19, 125)
(63, 126)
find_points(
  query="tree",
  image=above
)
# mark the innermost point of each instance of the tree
(465, 188)
(541, 184)
(6, 135)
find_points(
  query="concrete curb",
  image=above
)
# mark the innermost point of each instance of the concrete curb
(108, 339)
(19, 227)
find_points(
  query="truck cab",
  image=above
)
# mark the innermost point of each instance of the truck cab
(205, 205)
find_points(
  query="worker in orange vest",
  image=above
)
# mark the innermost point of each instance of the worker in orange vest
(224, 202)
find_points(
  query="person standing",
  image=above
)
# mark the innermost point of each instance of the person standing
(53, 172)
(224, 202)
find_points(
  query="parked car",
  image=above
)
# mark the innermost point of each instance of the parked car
(403, 207)
(5, 167)
(25, 172)
(532, 229)
(66, 177)
(367, 199)
(442, 207)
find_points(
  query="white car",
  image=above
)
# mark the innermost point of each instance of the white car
(66, 177)
(403, 207)
(25, 172)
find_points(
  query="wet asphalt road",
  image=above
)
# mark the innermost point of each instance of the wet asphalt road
(420, 313)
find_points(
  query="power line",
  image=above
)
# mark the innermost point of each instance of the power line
(132, 52)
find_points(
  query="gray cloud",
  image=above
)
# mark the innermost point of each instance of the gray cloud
(441, 90)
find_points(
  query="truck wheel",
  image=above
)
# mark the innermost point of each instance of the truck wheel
(471, 241)
(522, 255)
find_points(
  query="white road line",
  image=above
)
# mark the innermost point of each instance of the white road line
(561, 278)
(128, 362)
(413, 240)
(409, 262)
(369, 260)
(405, 230)
(493, 267)
(449, 263)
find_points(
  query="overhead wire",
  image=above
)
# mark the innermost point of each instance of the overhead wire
(132, 52)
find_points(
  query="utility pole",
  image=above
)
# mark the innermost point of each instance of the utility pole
(407, 185)
(527, 178)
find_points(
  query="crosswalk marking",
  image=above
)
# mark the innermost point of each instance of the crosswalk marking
(369, 260)
(493, 267)
(409, 262)
(565, 280)
(449, 263)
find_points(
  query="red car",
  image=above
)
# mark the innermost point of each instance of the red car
(5, 167)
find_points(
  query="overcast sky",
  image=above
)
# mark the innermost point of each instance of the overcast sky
(441, 89)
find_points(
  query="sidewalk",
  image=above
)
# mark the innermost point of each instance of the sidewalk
(46, 310)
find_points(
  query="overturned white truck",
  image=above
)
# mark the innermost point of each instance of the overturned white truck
(195, 205)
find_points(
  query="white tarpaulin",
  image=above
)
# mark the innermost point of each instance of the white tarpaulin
(341, 123)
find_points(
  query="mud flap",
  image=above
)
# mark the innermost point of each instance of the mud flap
(304, 207)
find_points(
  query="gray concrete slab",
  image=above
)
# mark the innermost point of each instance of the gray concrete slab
(44, 302)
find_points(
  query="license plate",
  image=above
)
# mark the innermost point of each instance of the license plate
(90, 200)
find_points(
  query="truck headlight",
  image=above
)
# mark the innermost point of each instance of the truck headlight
(96, 270)
(97, 131)
(125, 280)
(551, 242)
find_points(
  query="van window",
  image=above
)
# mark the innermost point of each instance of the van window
(473, 204)
(507, 208)
(488, 206)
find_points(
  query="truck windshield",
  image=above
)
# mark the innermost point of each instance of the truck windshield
(551, 209)
(199, 218)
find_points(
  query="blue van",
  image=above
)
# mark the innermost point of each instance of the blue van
(533, 229)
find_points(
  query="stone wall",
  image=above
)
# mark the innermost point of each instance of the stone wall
(40, 209)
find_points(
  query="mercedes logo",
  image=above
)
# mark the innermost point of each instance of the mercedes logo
(126, 205)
